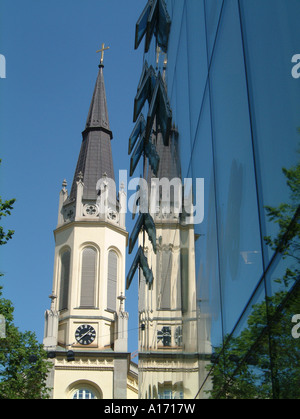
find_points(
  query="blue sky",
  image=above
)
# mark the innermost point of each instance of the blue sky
(50, 50)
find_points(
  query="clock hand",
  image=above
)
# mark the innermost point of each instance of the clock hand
(87, 333)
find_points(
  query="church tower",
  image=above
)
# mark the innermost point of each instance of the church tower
(174, 341)
(168, 359)
(86, 326)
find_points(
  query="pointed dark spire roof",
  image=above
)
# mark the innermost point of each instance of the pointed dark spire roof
(95, 156)
(98, 115)
(169, 164)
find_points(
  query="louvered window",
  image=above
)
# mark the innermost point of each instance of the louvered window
(88, 277)
(142, 292)
(164, 275)
(64, 280)
(112, 281)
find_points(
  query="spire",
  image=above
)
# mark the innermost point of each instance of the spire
(95, 156)
(98, 114)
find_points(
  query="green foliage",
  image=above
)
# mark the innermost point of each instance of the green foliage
(23, 361)
(245, 365)
(287, 217)
(5, 209)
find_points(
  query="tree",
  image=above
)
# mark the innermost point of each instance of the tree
(244, 367)
(5, 209)
(23, 365)
(287, 217)
(263, 360)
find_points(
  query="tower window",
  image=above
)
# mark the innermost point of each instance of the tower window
(88, 277)
(64, 280)
(112, 278)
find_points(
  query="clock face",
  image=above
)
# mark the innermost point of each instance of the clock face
(85, 334)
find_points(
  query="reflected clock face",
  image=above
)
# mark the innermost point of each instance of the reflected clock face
(164, 336)
(85, 334)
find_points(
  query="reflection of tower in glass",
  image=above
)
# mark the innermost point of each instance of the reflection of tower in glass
(169, 362)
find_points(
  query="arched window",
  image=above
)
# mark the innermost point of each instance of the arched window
(88, 277)
(84, 394)
(84, 390)
(112, 277)
(64, 280)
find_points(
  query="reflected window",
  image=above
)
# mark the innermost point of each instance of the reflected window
(178, 336)
(164, 278)
(167, 391)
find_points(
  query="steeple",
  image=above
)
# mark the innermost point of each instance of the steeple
(86, 329)
(98, 115)
(95, 156)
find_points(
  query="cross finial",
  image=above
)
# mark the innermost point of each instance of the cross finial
(102, 53)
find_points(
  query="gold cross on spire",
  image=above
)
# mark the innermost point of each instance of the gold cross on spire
(102, 53)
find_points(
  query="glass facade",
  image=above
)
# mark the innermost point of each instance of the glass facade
(231, 78)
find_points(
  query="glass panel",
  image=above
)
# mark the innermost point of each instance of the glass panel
(152, 23)
(145, 90)
(237, 214)
(147, 272)
(235, 105)
(160, 108)
(137, 154)
(141, 25)
(140, 260)
(135, 232)
(136, 133)
(163, 27)
(149, 151)
(274, 96)
(153, 157)
(146, 221)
